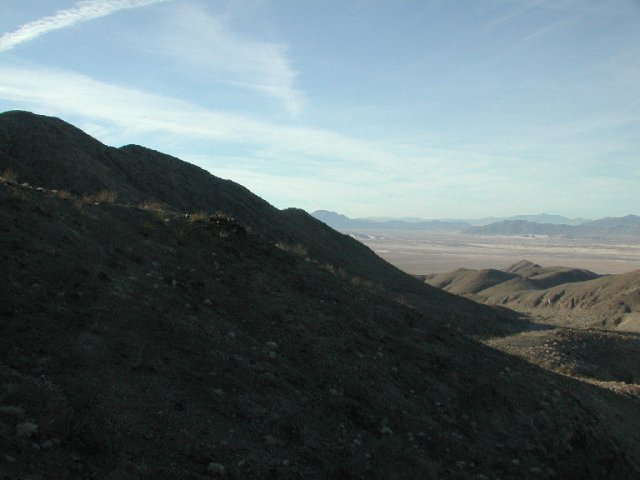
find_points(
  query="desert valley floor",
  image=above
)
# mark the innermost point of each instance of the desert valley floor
(420, 252)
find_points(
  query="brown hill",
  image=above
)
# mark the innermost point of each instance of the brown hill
(521, 276)
(465, 281)
(523, 267)
(611, 301)
(534, 277)
(552, 276)
(583, 298)
(138, 343)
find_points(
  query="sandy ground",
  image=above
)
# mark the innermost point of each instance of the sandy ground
(427, 252)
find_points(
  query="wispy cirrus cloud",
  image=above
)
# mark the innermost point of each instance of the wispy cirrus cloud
(119, 114)
(137, 112)
(317, 168)
(195, 39)
(83, 11)
(204, 43)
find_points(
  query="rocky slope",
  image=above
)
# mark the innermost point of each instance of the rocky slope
(585, 325)
(140, 343)
(51, 153)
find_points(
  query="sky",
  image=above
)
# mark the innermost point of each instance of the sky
(414, 108)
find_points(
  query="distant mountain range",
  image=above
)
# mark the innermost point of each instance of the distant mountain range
(629, 225)
(542, 224)
(342, 223)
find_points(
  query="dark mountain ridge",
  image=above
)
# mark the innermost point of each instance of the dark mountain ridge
(141, 343)
(51, 153)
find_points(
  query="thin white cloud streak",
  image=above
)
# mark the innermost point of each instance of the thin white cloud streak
(139, 113)
(327, 161)
(357, 166)
(62, 92)
(82, 12)
(202, 41)
(329, 168)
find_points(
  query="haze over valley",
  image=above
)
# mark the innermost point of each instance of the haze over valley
(609, 245)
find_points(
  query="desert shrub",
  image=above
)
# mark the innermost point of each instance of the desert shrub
(360, 282)
(329, 268)
(198, 217)
(17, 194)
(65, 195)
(152, 205)
(337, 271)
(220, 215)
(161, 215)
(9, 176)
(159, 210)
(297, 249)
(105, 196)
(402, 300)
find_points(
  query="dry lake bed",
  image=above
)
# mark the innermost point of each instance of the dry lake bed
(421, 252)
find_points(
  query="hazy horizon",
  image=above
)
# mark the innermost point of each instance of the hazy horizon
(411, 218)
(431, 109)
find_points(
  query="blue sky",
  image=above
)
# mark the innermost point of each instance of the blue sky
(429, 109)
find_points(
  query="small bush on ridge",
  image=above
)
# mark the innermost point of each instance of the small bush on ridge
(105, 196)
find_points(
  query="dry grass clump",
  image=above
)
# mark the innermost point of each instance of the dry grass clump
(105, 196)
(337, 271)
(297, 249)
(220, 215)
(63, 194)
(201, 217)
(159, 209)
(360, 282)
(198, 217)
(161, 215)
(9, 176)
(152, 205)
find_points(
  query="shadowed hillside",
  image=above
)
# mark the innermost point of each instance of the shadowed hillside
(51, 153)
(465, 281)
(142, 343)
(34, 145)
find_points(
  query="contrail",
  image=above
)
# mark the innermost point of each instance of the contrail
(82, 12)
